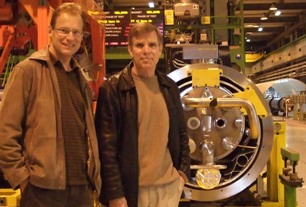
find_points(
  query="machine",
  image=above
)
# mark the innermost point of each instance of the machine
(230, 131)
(279, 105)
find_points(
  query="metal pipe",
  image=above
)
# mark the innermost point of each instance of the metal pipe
(228, 102)
(208, 152)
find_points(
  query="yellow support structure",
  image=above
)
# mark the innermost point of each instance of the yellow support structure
(250, 58)
(10, 197)
(275, 189)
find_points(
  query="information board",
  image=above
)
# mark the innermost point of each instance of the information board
(119, 23)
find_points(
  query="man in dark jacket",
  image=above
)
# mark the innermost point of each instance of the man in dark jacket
(141, 131)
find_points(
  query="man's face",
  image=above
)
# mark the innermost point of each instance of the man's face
(66, 36)
(145, 51)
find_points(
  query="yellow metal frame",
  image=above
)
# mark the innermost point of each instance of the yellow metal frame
(275, 189)
(10, 197)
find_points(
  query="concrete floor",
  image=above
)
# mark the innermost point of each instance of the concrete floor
(296, 140)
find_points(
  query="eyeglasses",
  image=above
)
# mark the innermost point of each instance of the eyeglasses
(66, 31)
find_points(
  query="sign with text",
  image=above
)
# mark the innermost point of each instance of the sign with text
(119, 23)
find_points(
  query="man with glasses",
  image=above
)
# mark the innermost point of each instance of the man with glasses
(48, 144)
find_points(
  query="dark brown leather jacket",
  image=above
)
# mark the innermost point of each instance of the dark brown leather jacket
(117, 131)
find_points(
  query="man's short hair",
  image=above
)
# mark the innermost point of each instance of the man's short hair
(69, 8)
(139, 29)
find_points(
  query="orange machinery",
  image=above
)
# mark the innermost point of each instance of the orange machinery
(25, 21)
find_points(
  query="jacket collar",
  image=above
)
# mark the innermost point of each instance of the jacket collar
(46, 56)
(128, 82)
(41, 55)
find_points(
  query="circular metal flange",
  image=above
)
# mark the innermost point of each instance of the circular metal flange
(242, 156)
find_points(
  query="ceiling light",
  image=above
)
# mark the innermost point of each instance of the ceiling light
(273, 7)
(151, 4)
(277, 13)
(264, 17)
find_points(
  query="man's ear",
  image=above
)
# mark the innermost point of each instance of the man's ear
(49, 30)
(130, 51)
(161, 48)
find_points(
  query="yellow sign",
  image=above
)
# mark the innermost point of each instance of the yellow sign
(169, 17)
(205, 19)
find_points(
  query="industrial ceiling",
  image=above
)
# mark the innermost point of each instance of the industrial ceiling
(275, 28)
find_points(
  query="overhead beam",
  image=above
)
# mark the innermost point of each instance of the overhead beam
(266, 29)
(266, 6)
(271, 19)
(297, 25)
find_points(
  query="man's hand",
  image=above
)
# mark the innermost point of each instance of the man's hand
(118, 202)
